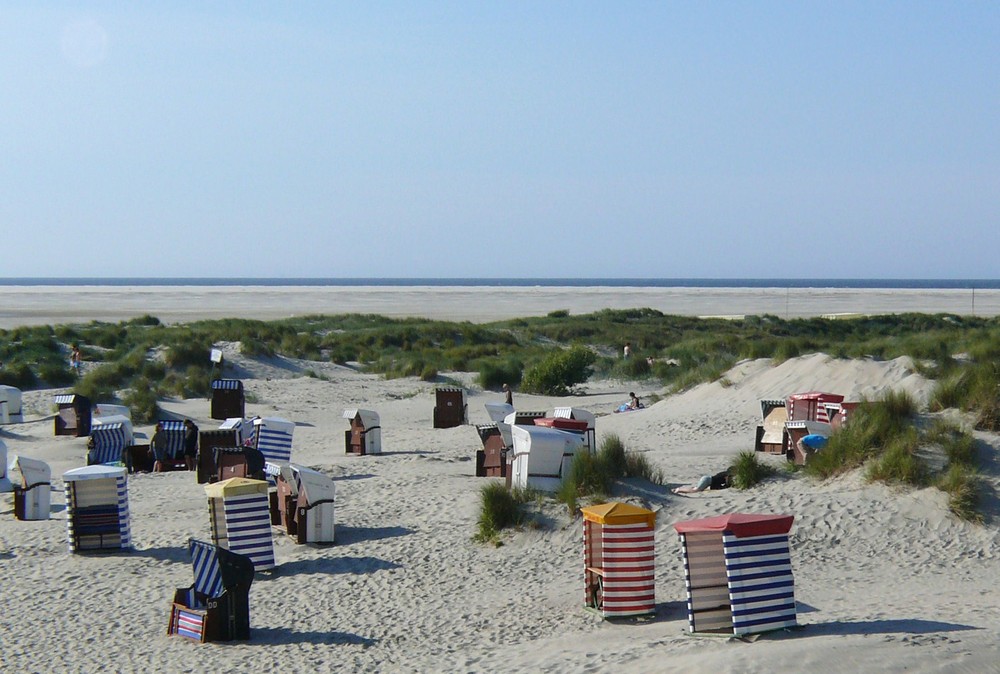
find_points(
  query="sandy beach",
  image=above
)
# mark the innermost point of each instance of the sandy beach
(40, 305)
(886, 579)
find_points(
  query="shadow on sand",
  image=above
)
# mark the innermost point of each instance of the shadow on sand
(269, 636)
(335, 566)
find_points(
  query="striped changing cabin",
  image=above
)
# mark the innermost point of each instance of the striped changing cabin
(239, 509)
(97, 508)
(619, 560)
(738, 573)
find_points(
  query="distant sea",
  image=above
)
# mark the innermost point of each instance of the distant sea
(929, 284)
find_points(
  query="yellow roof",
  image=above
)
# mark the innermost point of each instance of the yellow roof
(618, 513)
(235, 486)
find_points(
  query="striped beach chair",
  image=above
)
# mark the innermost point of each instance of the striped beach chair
(228, 399)
(97, 508)
(619, 560)
(274, 438)
(168, 445)
(73, 415)
(217, 606)
(738, 573)
(240, 514)
(107, 442)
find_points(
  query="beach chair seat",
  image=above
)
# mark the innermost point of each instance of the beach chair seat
(228, 399)
(238, 462)
(273, 438)
(491, 460)
(217, 606)
(168, 451)
(305, 500)
(450, 408)
(107, 444)
(32, 498)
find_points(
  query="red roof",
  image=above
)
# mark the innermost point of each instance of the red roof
(817, 395)
(740, 525)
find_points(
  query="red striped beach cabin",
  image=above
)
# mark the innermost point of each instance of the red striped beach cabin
(810, 406)
(619, 560)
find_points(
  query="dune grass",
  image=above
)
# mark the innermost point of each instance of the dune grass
(747, 470)
(593, 476)
(881, 436)
(500, 508)
(686, 350)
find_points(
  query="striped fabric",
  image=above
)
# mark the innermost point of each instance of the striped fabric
(109, 442)
(173, 432)
(275, 445)
(98, 514)
(205, 563)
(738, 585)
(226, 385)
(761, 587)
(706, 582)
(244, 429)
(65, 399)
(189, 623)
(629, 568)
(248, 528)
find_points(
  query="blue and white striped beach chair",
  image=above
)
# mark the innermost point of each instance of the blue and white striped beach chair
(274, 439)
(217, 606)
(107, 442)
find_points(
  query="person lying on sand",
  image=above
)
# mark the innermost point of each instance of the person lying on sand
(718, 481)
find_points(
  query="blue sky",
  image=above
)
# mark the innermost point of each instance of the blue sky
(500, 139)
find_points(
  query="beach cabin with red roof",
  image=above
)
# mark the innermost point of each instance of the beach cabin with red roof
(810, 406)
(738, 573)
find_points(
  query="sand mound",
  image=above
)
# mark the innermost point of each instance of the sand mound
(886, 580)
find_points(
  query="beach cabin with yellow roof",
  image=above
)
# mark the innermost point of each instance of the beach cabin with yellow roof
(619, 561)
(240, 516)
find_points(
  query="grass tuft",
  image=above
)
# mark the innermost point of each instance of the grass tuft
(748, 470)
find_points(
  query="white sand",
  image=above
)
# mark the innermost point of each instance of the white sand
(886, 579)
(33, 305)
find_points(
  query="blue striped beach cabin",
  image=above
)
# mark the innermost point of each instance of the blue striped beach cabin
(97, 508)
(738, 573)
(240, 516)
(217, 606)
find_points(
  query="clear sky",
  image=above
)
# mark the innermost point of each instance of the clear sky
(500, 139)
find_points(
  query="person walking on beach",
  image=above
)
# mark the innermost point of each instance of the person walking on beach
(508, 395)
(74, 358)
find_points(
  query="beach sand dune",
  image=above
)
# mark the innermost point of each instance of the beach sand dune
(886, 579)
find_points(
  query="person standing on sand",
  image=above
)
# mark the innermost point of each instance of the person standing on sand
(74, 358)
(508, 395)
